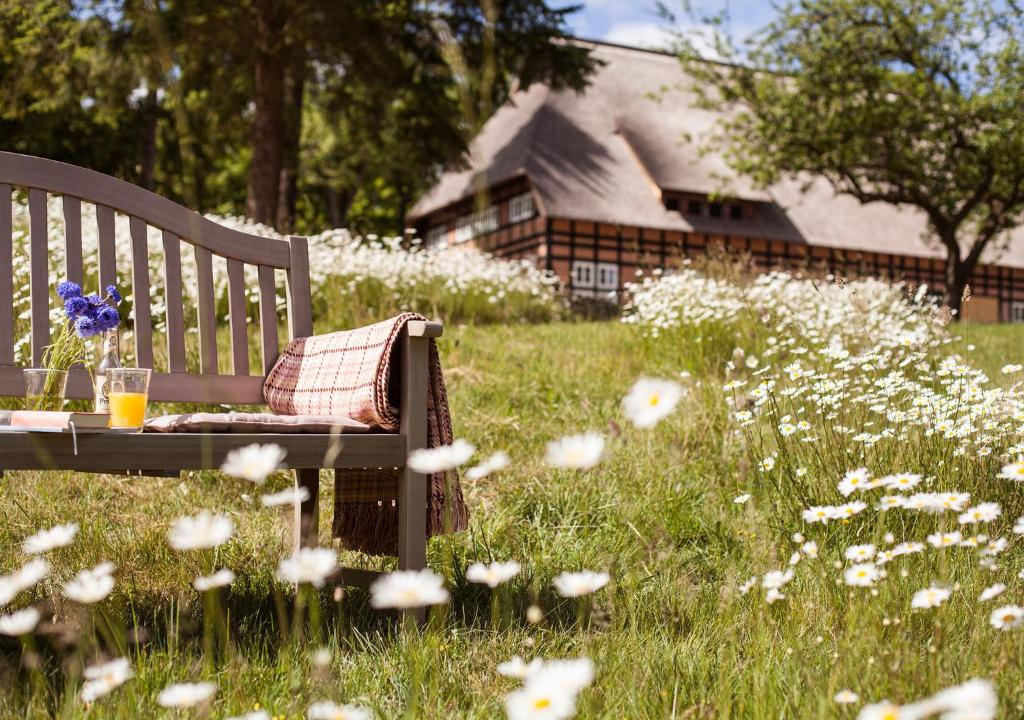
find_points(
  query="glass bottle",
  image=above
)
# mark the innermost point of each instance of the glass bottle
(109, 360)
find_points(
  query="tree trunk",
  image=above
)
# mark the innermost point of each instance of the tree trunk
(267, 137)
(287, 188)
(338, 203)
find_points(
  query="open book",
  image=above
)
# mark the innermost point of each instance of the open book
(41, 420)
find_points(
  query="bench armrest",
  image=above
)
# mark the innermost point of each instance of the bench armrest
(425, 328)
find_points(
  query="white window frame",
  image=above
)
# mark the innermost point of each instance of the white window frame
(436, 237)
(463, 230)
(520, 208)
(476, 224)
(1017, 311)
(607, 276)
(584, 274)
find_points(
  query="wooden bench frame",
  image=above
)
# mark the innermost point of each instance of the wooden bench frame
(161, 454)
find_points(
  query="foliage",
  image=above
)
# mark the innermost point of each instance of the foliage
(341, 113)
(910, 102)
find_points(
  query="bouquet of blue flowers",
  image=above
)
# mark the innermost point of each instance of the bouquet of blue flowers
(86, 316)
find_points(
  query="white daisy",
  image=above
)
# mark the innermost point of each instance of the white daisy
(308, 565)
(218, 579)
(101, 679)
(1007, 617)
(326, 710)
(186, 695)
(91, 586)
(845, 697)
(577, 452)
(929, 597)
(991, 591)
(22, 579)
(441, 458)
(407, 589)
(288, 496)
(860, 553)
(497, 461)
(519, 668)
(577, 584)
(201, 531)
(21, 622)
(46, 540)
(650, 401)
(254, 462)
(861, 575)
(494, 574)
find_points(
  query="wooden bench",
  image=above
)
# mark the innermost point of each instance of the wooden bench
(158, 453)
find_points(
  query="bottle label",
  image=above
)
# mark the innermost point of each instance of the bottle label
(102, 394)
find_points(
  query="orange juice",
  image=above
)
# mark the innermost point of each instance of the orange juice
(127, 409)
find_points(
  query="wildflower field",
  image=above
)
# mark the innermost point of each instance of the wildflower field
(787, 499)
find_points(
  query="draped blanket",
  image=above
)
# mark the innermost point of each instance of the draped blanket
(355, 374)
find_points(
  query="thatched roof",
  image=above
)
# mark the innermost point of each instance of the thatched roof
(605, 154)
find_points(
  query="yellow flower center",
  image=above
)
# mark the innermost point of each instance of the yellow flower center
(654, 400)
(541, 703)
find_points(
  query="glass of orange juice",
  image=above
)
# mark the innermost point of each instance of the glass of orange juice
(129, 391)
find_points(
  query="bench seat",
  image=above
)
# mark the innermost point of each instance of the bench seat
(158, 453)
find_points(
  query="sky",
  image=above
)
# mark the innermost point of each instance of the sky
(636, 22)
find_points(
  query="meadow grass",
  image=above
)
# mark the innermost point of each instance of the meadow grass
(670, 637)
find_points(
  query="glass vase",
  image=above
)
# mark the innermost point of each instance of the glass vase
(44, 389)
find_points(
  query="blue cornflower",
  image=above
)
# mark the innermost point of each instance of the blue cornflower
(75, 306)
(86, 326)
(94, 299)
(68, 289)
(107, 318)
(113, 293)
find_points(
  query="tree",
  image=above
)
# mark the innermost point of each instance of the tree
(382, 44)
(917, 103)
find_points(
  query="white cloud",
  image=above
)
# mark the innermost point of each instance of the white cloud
(639, 34)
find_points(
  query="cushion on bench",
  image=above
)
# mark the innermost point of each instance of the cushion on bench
(243, 422)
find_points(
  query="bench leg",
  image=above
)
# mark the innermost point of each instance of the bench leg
(412, 527)
(306, 527)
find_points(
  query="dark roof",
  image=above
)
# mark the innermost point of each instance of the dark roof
(605, 155)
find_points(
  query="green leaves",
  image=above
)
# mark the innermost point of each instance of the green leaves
(911, 102)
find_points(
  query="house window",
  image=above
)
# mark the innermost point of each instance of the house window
(607, 276)
(520, 208)
(1017, 312)
(437, 237)
(476, 223)
(694, 207)
(672, 203)
(736, 211)
(715, 209)
(583, 272)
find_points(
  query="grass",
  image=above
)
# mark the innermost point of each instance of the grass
(668, 636)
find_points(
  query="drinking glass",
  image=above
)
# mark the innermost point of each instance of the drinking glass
(129, 391)
(44, 388)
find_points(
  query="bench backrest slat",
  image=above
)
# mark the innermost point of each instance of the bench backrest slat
(238, 318)
(39, 291)
(143, 325)
(207, 312)
(73, 239)
(268, 317)
(174, 303)
(107, 258)
(300, 302)
(6, 276)
(172, 380)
